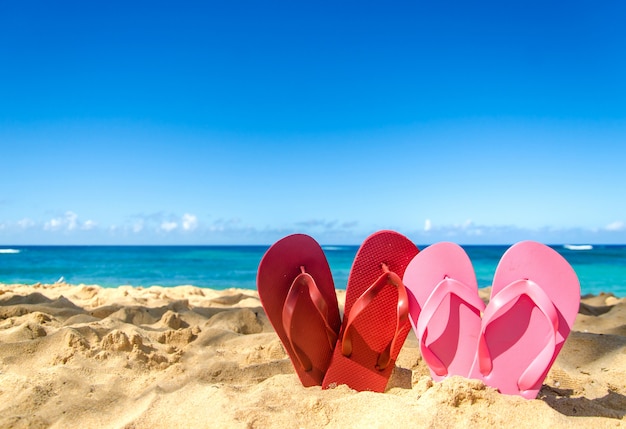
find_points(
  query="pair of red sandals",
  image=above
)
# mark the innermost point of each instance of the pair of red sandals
(509, 344)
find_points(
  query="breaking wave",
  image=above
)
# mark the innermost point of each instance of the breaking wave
(578, 246)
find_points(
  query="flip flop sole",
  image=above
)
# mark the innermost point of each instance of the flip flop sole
(534, 301)
(278, 269)
(444, 308)
(376, 326)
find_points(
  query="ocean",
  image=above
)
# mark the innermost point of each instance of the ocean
(599, 268)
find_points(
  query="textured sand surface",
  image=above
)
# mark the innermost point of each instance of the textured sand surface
(85, 356)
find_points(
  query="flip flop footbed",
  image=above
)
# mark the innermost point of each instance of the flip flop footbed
(445, 309)
(306, 338)
(534, 301)
(376, 325)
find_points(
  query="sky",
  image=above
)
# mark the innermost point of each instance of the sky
(240, 122)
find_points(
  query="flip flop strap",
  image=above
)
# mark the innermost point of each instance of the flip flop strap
(446, 287)
(305, 281)
(363, 301)
(499, 306)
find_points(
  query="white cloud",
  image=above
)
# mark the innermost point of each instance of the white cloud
(168, 226)
(463, 232)
(616, 226)
(138, 226)
(189, 222)
(162, 222)
(53, 224)
(317, 225)
(89, 225)
(225, 225)
(68, 222)
(25, 223)
(71, 220)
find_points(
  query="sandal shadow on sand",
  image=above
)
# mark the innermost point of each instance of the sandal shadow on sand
(298, 295)
(375, 322)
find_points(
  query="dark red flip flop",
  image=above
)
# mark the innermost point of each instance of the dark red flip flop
(298, 295)
(376, 319)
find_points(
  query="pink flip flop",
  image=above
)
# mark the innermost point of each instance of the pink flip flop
(375, 322)
(444, 308)
(298, 295)
(534, 301)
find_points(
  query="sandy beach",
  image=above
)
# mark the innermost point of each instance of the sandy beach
(92, 357)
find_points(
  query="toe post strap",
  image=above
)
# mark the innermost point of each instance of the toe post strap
(500, 305)
(387, 278)
(304, 284)
(446, 287)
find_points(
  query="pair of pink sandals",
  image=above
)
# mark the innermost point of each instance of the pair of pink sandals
(510, 344)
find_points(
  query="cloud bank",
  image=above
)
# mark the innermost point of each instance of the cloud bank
(189, 228)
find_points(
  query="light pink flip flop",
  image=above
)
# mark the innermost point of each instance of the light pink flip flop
(444, 308)
(534, 301)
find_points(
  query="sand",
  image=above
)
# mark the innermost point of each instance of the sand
(92, 357)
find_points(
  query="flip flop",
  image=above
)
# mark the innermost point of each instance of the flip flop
(534, 301)
(375, 322)
(444, 308)
(298, 295)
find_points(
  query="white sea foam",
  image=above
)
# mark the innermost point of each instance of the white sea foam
(578, 246)
(9, 251)
(331, 248)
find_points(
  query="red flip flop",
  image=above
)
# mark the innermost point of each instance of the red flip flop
(376, 316)
(298, 295)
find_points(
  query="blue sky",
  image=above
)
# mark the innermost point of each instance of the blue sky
(240, 122)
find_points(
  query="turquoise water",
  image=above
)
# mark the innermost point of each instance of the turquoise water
(600, 269)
